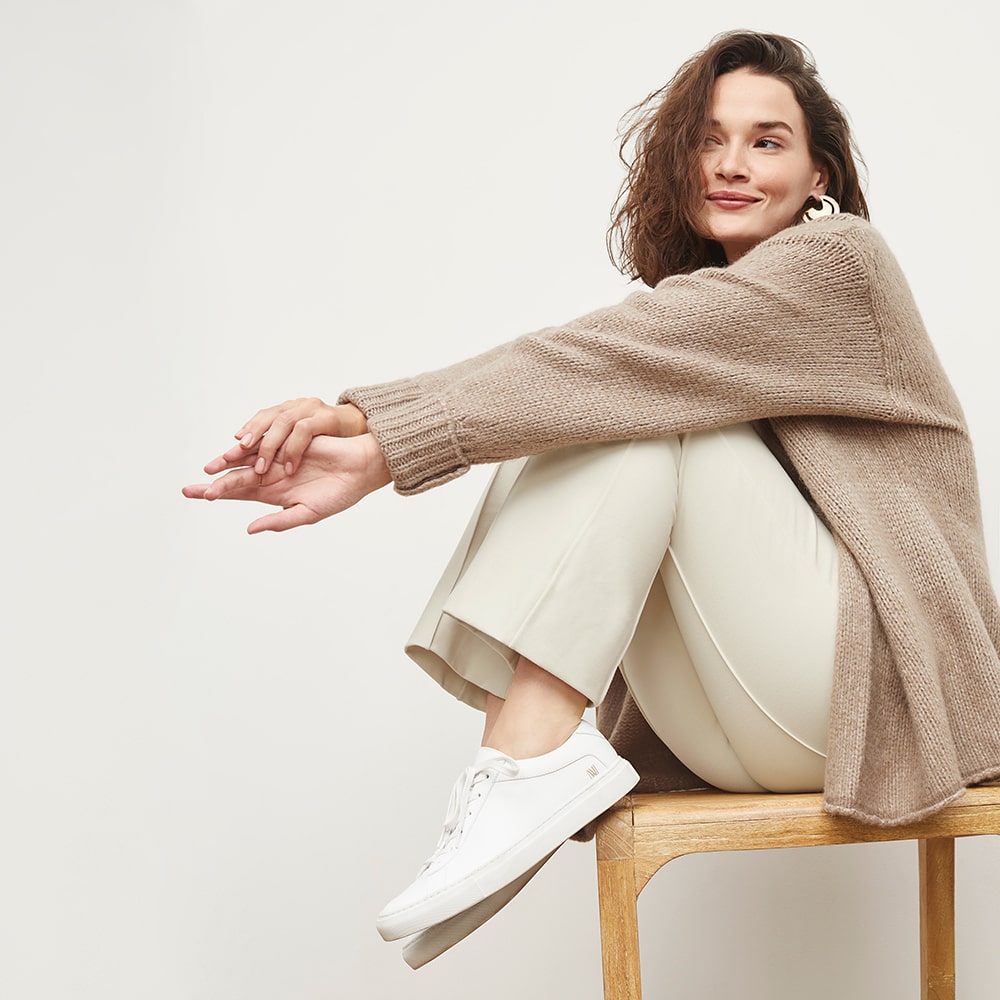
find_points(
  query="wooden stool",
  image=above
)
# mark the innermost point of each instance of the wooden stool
(637, 837)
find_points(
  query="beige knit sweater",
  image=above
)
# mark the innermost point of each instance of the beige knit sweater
(815, 334)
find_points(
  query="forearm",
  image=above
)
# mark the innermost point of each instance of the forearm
(774, 335)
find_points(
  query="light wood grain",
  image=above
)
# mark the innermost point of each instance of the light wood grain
(619, 930)
(937, 919)
(644, 832)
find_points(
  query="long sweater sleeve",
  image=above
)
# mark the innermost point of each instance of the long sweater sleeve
(790, 329)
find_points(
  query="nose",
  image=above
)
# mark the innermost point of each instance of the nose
(731, 162)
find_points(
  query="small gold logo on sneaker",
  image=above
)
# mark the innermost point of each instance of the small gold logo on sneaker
(592, 770)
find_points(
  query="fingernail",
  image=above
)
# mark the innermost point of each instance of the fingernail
(246, 440)
(259, 467)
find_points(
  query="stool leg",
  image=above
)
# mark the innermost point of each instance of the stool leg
(619, 929)
(937, 918)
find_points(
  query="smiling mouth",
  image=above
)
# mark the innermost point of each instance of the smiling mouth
(731, 200)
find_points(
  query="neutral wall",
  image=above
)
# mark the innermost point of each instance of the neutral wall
(216, 763)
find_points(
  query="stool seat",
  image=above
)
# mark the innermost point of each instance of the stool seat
(640, 834)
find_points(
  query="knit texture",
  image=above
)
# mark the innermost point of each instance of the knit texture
(815, 335)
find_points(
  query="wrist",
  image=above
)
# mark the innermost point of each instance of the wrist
(355, 421)
(377, 474)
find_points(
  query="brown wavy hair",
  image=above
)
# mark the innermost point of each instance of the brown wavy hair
(654, 227)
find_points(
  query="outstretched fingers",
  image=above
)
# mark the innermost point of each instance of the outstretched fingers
(237, 484)
(335, 474)
(282, 520)
(235, 458)
(196, 491)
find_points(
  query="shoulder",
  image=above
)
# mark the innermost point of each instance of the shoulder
(842, 249)
(836, 237)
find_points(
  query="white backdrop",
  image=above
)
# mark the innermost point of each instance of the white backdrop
(217, 764)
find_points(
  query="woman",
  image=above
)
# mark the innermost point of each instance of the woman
(752, 488)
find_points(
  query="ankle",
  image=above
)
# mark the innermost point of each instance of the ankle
(520, 738)
(540, 713)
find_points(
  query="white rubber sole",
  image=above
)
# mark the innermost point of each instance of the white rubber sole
(513, 863)
(436, 940)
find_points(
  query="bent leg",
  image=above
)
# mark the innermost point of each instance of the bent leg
(559, 566)
(752, 584)
(598, 513)
(667, 690)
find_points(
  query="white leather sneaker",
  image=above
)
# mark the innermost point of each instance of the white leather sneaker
(504, 817)
(437, 939)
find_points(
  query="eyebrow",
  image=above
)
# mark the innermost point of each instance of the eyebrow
(762, 126)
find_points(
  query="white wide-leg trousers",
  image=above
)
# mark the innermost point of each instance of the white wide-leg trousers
(691, 562)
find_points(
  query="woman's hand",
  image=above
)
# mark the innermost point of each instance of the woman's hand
(334, 474)
(282, 433)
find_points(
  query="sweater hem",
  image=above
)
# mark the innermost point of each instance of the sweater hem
(986, 776)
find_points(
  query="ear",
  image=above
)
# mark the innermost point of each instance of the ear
(821, 180)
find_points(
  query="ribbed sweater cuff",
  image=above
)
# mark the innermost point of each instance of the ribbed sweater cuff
(415, 432)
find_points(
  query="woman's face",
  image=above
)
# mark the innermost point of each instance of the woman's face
(756, 164)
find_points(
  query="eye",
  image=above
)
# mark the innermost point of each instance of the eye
(768, 144)
(711, 140)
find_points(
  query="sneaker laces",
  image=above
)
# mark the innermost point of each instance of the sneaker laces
(466, 798)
